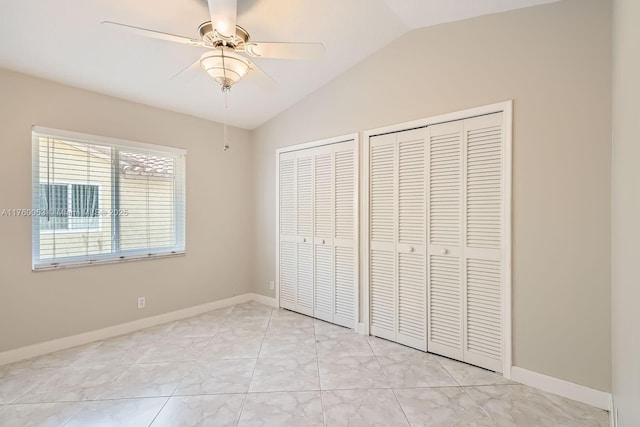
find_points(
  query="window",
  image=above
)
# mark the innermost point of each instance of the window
(100, 200)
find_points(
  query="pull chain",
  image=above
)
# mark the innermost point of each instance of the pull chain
(225, 90)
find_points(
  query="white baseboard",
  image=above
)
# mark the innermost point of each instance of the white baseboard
(39, 349)
(590, 396)
(270, 301)
(361, 329)
(613, 413)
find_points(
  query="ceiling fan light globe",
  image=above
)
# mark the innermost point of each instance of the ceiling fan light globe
(226, 68)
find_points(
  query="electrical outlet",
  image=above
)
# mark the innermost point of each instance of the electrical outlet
(271, 285)
(141, 302)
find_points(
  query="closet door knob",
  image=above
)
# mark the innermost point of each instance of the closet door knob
(443, 251)
(304, 240)
(411, 249)
(323, 241)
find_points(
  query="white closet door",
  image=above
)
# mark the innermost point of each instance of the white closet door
(304, 220)
(318, 196)
(288, 231)
(411, 234)
(444, 235)
(398, 300)
(483, 146)
(382, 223)
(436, 238)
(323, 245)
(344, 241)
(466, 206)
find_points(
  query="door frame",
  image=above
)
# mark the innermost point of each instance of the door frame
(356, 161)
(505, 107)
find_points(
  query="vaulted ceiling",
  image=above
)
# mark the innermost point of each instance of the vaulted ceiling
(64, 41)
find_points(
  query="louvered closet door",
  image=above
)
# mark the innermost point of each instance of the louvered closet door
(323, 232)
(483, 146)
(444, 234)
(317, 248)
(382, 234)
(344, 235)
(288, 259)
(304, 223)
(411, 294)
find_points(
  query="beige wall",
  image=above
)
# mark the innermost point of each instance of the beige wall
(554, 62)
(625, 252)
(36, 307)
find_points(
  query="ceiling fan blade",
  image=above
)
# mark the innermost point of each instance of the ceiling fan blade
(191, 68)
(155, 34)
(285, 50)
(223, 16)
(260, 78)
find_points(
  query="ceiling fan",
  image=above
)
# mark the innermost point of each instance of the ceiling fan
(230, 45)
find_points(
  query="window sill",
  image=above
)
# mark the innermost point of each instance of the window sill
(44, 266)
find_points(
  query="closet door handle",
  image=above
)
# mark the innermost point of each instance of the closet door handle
(323, 241)
(411, 249)
(443, 251)
(304, 240)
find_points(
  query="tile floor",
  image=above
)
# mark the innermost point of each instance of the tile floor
(251, 365)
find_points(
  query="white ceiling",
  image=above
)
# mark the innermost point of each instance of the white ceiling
(63, 40)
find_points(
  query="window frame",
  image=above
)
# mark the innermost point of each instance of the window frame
(117, 256)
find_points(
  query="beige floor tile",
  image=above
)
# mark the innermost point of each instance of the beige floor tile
(17, 381)
(73, 384)
(147, 380)
(61, 359)
(290, 326)
(244, 326)
(467, 375)
(232, 347)
(282, 409)
(115, 351)
(287, 346)
(281, 313)
(343, 345)
(153, 334)
(196, 327)
(441, 407)
(362, 408)
(175, 349)
(201, 411)
(383, 347)
(351, 372)
(519, 405)
(325, 328)
(121, 413)
(217, 376)
(415, 369)
(37, 415)
(285, 374)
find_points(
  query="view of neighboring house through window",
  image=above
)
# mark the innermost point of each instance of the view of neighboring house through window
(70, 207)
(98, 200)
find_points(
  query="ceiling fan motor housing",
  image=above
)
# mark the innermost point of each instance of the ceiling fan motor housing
(215, 39)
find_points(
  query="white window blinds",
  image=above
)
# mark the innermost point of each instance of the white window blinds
(99, 200)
